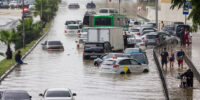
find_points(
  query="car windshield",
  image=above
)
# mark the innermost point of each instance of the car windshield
(151, 36)
(58, 94)
(111, 11)
(70, 22)
(17, 96)
(129, 51)
(108, 62)
(135, 30)
(103, 11)
(84, 30)
(54, 43)
(93, 45)
(72, 27)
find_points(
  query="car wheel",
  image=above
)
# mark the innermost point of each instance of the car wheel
(122, 73)
(145, 70)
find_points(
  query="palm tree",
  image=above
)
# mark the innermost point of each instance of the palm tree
(8, 37)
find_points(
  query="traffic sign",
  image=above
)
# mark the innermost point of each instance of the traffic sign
(186, 8)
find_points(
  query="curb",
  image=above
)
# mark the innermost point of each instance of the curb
(27, 53)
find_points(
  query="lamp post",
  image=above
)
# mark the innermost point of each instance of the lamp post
(156, 4)
(23, 30)
(119, 6)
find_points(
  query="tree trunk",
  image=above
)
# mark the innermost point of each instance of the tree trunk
(8, 52)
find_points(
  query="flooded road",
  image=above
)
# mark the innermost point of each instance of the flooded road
(67, 69)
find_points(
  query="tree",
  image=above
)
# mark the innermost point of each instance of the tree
(8, 37)
(194, 14)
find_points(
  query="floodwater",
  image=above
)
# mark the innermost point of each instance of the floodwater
(67, 69)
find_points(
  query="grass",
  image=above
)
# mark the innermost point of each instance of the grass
(6, 64)
(152, 4)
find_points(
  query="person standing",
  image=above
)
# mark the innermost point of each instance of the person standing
(162, 25)
(171, 59)
(186, 37)
(180, 57)
(164, 58)
(182, 34)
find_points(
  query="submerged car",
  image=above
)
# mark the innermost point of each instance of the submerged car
(58, 94)
(72, 29)
(74, 6)
(15, 95)
(90, 5)
(122, 65)
(52, 45)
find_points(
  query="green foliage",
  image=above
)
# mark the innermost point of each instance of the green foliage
(8, 37)
(32, 32)
(48, 9)
(194, 14)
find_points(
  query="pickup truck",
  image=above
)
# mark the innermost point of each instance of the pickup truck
(95, 49)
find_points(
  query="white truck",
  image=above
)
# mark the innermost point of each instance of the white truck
(113, 35)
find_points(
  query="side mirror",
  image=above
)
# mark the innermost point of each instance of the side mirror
(40, 94)
(74, 94)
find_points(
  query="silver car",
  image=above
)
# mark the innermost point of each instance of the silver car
(58, 94)
(52, 45)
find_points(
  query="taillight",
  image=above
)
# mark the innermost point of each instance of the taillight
(158, 39)
(83, 53)
(143, 39)
(137, 33)
(115, 65)
(104, 50)
(78, 45)
(65, 31)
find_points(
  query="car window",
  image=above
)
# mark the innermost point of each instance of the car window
(134, 62)
(16, 96)
(58, 94)
(125, 62)
(108, 62)
(151, 36)
(54, 43)
(135, 30)
(72, 27)
(105, 56)
(111, 11)
(103, 11)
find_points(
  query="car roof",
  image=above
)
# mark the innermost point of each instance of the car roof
(15, 91)
(58, 89)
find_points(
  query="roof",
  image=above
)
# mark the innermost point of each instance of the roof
(58, 89)
(15, 91)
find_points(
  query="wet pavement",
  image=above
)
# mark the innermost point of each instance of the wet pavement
(67, 69)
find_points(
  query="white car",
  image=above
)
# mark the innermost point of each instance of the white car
(108, 11)
(122, 65)
(72, 29)
(13, 4)
(58, 94)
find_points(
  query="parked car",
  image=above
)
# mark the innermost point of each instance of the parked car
(142, 29)
(27, 14)
(140, 57)
(73, 6)
(72, 29)
(4, 4)
(13, 4)
(15, 95)
(83, 33)
(169, 29)
(70, 22)
(93, 49)
(132, 50)
(57, 94)
(80, 42)
(52, 45)
(91, 5)
(149, 25)
(135, 42)
(135, 24)
(108, 11)
(135, 31)
(99, 60)
(150, 39)
(122, 65)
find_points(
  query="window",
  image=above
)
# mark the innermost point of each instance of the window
(108, 62)
(16, 96)
(72, 27)
(103, 11)
(125, 62)
(103, 21)
(54, 43)
(133, 62)
(58, 94)
(152, 36)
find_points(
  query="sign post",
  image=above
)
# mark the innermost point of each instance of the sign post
(186, 10)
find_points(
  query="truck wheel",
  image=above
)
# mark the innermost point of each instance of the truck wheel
(145, 70)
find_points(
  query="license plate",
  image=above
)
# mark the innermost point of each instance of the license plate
(151, 40)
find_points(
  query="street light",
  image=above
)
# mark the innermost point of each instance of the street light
(23, 30)
(156, 4)
(119, 6)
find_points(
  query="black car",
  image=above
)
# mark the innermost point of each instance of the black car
(91, 5)
(178, 29)
(27, 14)
(95, 49)
(15, 95)
(74, 6)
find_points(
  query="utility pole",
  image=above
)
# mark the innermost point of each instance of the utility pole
(156, 4)
(119, 6)
(23, 30)
(41, 9)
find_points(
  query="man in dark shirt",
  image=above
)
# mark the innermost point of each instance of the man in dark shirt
(18, 58)
(164, 58)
